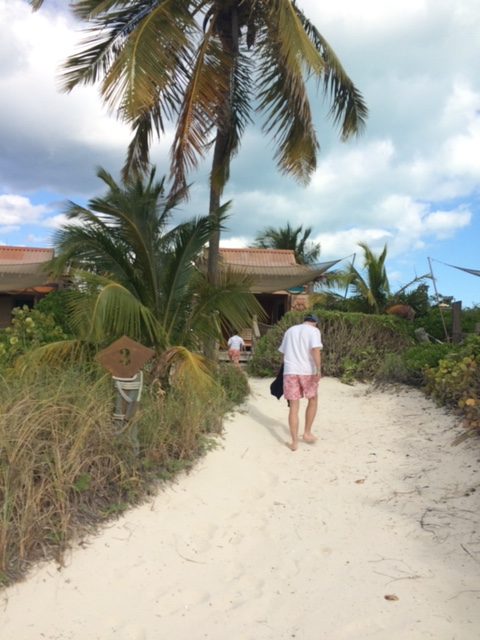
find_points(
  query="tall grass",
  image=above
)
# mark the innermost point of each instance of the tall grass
(63, 465)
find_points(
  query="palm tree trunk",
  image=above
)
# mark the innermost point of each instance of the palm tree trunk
(220, 164)
(228, 32)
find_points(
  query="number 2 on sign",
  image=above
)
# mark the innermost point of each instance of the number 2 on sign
(125, 357)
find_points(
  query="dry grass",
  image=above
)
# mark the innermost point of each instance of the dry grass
(63, 468)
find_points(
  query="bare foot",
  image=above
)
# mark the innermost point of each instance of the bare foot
(293, 446)
(309, 438)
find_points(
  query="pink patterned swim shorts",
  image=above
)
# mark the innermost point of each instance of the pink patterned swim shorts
(296, 387)
(234, 355)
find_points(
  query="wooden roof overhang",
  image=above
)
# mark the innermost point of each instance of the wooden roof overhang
(24, 268)
(271, 270)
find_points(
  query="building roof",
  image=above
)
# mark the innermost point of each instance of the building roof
(271, 270)
(23, 268)
(259, 257)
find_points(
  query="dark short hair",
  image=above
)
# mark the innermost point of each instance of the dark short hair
(311, 317)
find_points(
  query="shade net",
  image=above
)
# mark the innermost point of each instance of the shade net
(15, 277)
(279, 278)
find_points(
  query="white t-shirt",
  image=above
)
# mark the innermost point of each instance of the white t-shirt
(297, 345)
(236, 342)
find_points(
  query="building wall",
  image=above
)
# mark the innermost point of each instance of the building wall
(9, 301)
(6, 306)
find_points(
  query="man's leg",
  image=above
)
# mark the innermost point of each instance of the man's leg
(293, 423)
(310, 413)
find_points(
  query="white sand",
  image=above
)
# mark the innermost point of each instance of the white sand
(261, 543)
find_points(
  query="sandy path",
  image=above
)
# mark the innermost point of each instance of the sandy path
(261, 543)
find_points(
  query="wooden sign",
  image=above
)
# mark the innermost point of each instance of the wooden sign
(124, 358)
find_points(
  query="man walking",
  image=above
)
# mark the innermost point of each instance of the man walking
(235, 345)
(301, 347)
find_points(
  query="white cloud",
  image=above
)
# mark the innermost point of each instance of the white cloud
(58, 137)
(57, 221)
(235, 242)
(369, 15)
(443, 224)
(341, 244)
(18, 210)
(409, 224)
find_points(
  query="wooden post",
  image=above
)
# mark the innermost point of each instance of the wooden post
(438, 300)
(457, 321)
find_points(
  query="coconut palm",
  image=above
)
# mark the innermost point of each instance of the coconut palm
(203, 64)
(138, 272)
(297, 240)
(371, 290)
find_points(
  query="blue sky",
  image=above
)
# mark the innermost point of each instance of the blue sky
(411, 181)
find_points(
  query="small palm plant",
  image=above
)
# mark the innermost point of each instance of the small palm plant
(136, 273)
(372, 289)
(297, 239)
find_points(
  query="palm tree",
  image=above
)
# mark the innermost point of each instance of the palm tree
(138, 272)
(203, 64)
(372, 291)
(306, 252)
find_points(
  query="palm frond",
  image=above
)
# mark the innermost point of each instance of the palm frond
(348, 108)
(188, 369)
(138, 152)
(190, 238)
(229, 304)
(295, 43)
(136, 78)
(113, 311)
(119, 48)
(206, 87)
(55, 354)
(35, 4)
(283, 99)
(297, 240)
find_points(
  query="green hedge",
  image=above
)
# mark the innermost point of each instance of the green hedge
(354, 343)
(433, 321)
(409, 367)
(455, 381)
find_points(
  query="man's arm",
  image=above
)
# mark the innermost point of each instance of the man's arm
(317, 357)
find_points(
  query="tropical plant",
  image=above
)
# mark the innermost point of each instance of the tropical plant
(306, 251)
(137, 275)
(370, 291)
(203, 64)
(455, 381)
(30, 328)
(416, 298)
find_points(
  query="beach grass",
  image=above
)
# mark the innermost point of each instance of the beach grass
(65, 466)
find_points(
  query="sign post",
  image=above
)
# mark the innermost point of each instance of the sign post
(125, 359)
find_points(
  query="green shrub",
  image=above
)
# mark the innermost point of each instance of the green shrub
(435, 321)
(234, 382)
(354, 343)
(409, 366)
(456, 381)
(470, 319)
(30, 328)
(56, 304)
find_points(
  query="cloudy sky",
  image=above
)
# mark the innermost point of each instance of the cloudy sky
(411, 181)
